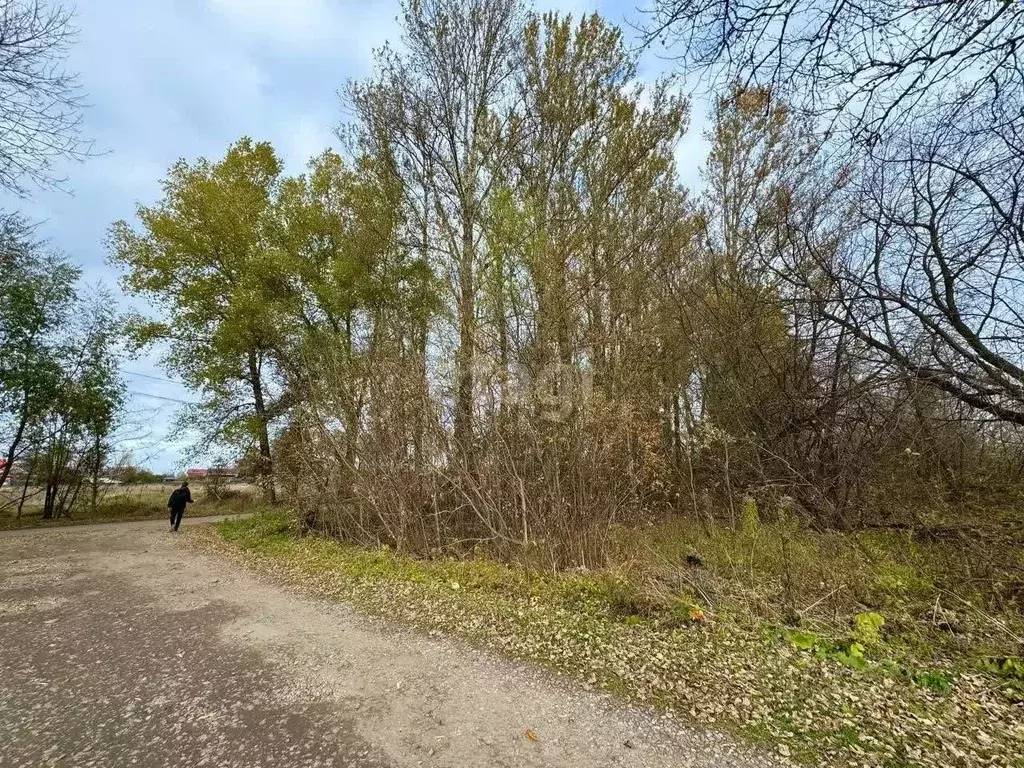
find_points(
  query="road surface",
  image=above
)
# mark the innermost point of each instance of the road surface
(119, 646)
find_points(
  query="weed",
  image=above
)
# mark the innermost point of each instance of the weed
(847, 736)
(899, 582)
(933, 680)
(849, 654)
(1010, 671)
(1010, 667)
(804, 641)
(749, 518)
(867, 628)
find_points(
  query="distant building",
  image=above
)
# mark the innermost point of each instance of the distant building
(16, 472)
(198, 473)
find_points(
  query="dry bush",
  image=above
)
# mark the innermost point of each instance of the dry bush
(547, 491)
(889, 457)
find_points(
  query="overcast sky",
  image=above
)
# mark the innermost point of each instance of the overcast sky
(185, 78)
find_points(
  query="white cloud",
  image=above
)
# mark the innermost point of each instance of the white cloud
(349, 31)
(303, 138)
(295, 21)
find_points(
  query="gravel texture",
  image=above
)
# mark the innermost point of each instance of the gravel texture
(119, 646)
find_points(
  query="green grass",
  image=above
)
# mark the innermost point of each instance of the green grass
(835, 695)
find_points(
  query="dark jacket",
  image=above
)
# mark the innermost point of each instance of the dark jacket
(179, 499)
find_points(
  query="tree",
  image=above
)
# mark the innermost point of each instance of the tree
(933, 281)
(593, 158)
(78, 421)
(37, 297)
(777, 385)
(132, 474)
(60, 392)
(871, 67)
(924, 106)
(204, 258)
(537, 183)
(354, 295)
(40, 101)
(740, 336)
(438, 112)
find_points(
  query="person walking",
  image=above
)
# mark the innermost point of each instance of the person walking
(176, 504)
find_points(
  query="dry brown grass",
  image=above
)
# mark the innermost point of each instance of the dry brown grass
(116, 503)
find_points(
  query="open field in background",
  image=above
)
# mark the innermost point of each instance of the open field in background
(122, 503)
(888, 648)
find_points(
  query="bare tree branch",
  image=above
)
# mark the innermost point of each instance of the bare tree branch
(41, 101)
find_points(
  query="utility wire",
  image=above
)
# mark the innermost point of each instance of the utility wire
(150, 394)
(161, 397)
(149, 376)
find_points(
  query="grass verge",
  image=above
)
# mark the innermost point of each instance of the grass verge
(118, 510)
(821, 700)
(103, 514)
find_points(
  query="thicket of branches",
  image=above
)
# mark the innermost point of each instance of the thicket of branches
(40, 99)
(925, 104)
(505, 322)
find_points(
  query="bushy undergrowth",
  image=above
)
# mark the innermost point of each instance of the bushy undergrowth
(838, 686)
(936, 592)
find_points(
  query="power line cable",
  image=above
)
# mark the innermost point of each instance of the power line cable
(149, 376)
(161, 397)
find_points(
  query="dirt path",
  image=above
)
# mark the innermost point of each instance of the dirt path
(121, 647)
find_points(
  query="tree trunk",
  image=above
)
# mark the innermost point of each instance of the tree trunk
(13, 448)
(423, 395)
(420, 334)
(266, 468)
(353, 406)
(504, 356)
(95, 471)
(465, 357)
(24, 492)
(49, 499)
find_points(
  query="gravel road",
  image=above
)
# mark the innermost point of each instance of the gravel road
(119, 646)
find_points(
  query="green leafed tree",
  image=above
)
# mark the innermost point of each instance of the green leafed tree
(438, 110)
(60, 392)
(78, 421)
(203, 257)
(353, 292)
(37, 290)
